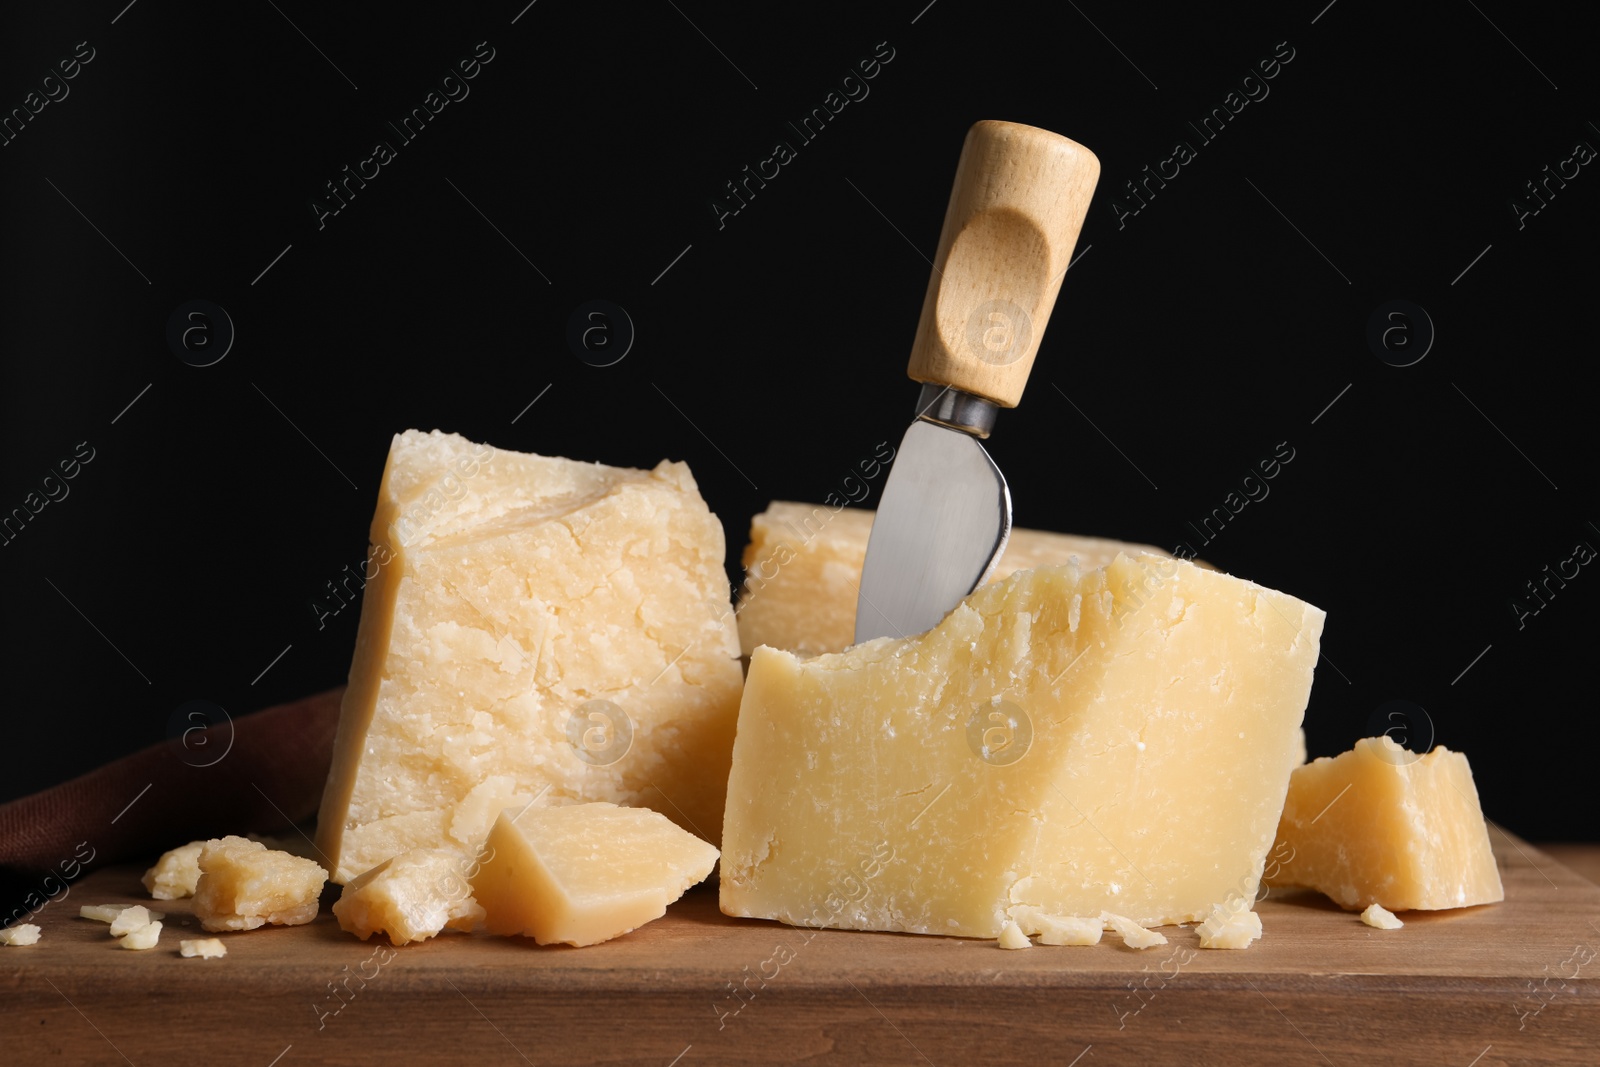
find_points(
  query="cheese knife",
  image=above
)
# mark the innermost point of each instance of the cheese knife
(1015, 210)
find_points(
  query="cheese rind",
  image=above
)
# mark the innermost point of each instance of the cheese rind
(803, 572)
(528, 624)
(1153, 705)
(1381, 825)
(585, 873)
(410, 897)
(243, 885)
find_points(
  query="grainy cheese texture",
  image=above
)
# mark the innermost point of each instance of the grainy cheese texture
(803, 572)
(410, 897)
(1381, 825)
(1077, 742)
(243, 885)
(585, 873)
(506, 594)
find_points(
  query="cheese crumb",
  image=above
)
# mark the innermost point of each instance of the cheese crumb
(107, 913)
(1057, 929)
(1133, 935)
(175, 873)
(243, 885)
(1231, 924)
(1011, 936)
(21, 934)
(1382, 918)
(142, 937)
(130, 919)
(208, 948)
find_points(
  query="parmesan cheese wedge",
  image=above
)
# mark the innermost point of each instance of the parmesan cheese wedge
(1381, 825)
(584, 873)
(530, 625)
(1116, 739)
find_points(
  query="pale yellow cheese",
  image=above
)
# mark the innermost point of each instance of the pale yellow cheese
(175, 873)
(530, 627)
(410, 897)
(142, 937)
(585, 873)
(206, 948)
(1382, 918)
(130, 919)
(1381, 825)
(19, 935)
(803, 572)
(1057, 929)
(1232, 924)
(1116, 739)
(243, 885)
(107, 913)
(1132, 933)
(1012, 937)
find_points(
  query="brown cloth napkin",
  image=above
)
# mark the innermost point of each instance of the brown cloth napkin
(138, 807)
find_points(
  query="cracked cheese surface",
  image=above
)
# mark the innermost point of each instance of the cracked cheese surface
(504, 591)
(1164, 702)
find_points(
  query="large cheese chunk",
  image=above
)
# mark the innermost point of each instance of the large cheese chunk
(530, 625)
(803, 572)
(585, 873)
(1113, 740)
(243, 885)
(1381, 825)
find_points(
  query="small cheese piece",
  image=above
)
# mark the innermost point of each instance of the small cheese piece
(1381, 825)
(1382, 918)
(1011, 936)
(207, 948)
(585, 873)
(19, 935)
(1057, 929)
(1114, 739)
(141, 937)
(130, 919)
(803, 572)
(530, 624)
(410, 897)
(243, 885)
(107, 913)
(175, 873)
(1133, 935)
(1231, 924)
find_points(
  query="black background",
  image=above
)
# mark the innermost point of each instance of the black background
(1220, 320)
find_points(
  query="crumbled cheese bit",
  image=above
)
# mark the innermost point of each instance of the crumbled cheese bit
(107, 913)
(130, 919)
(1133, 935)
(1382, 918)
(175, 873)
(142, 937)
(244, 885)
(21, 934)
(207, 948)
(1011, 936)
(1057, 929)
(1231, 924)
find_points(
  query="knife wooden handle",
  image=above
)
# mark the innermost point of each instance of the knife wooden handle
(1017, 205)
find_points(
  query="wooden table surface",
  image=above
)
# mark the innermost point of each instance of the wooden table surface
(1512, 983)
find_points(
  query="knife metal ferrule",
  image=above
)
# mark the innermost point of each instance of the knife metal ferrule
(958, 410)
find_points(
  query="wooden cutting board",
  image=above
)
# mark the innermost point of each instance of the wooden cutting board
(1513, 983)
